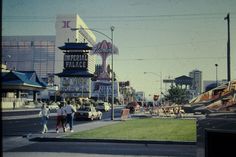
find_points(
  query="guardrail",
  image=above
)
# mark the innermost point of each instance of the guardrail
(12, 99)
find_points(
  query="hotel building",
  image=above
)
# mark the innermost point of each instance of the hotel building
(30, 53)
(64, 24)
(196, 75)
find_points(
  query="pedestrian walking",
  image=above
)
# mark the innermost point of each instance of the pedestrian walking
(69, 109)
(44, 114)
(60, 117)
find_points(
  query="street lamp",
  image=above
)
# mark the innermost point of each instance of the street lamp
(112, 68)
(216, 75)
(112, 92)
(160, 75)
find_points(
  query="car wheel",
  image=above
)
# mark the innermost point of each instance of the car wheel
(100, 117)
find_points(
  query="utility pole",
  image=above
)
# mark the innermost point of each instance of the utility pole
(112, 79)
(228, 47)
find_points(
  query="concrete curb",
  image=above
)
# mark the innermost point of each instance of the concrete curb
(48, 139)
(25, 116)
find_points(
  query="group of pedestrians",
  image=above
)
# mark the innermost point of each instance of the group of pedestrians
(65, 114)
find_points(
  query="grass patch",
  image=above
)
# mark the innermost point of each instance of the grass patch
(144, 129)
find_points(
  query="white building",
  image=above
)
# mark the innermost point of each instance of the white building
(64, 24)
(197, 81)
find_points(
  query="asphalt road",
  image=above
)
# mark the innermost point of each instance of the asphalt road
(22, 125)
(109, 149)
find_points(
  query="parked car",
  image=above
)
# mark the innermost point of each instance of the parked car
(53, 107)
(133, 107)
(140, 103)
(103, 106)
(149, 104)
(88, 112)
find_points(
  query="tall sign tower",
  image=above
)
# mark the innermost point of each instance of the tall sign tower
(75, 77)
(63, 26)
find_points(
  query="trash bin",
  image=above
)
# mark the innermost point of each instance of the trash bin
(124, 114)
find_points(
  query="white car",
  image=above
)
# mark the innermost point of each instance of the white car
(87, 112)
(103, 106)
(53, 107)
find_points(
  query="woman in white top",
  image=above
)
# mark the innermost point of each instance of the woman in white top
(44, 113)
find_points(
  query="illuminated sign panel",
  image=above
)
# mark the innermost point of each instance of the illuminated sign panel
(104, 89)
(75, 86)
(76, 61)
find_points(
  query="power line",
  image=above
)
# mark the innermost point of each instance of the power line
(174, 58)
(115, 17)
(140, 59)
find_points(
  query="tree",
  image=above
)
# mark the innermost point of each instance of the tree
(177, 95)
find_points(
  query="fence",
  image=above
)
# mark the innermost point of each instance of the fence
(8, 103)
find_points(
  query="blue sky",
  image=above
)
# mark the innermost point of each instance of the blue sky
(172, 37)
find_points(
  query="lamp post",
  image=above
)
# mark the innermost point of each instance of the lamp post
(216, 65)
(112, 86)
(160, 75)
(112, 68)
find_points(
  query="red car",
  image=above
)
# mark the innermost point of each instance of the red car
(133, 107)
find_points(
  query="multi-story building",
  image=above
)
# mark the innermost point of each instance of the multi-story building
(29, 53)
(64, 33)
(41, 53)
(197, 81)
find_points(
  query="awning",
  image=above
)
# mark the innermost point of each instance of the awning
(22, 80)
(220, 87)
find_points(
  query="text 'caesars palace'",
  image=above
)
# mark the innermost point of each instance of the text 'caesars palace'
(66, 62)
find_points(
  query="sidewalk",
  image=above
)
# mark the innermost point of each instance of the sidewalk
(51, 134)
(19, 141)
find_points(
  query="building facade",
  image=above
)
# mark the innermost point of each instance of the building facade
(30, 53)
(196, 75)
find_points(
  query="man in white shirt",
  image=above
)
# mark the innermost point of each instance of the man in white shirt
(69, 109)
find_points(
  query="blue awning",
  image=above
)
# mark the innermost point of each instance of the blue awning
(23, 78)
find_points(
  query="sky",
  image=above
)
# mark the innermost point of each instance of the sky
(167, 38)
